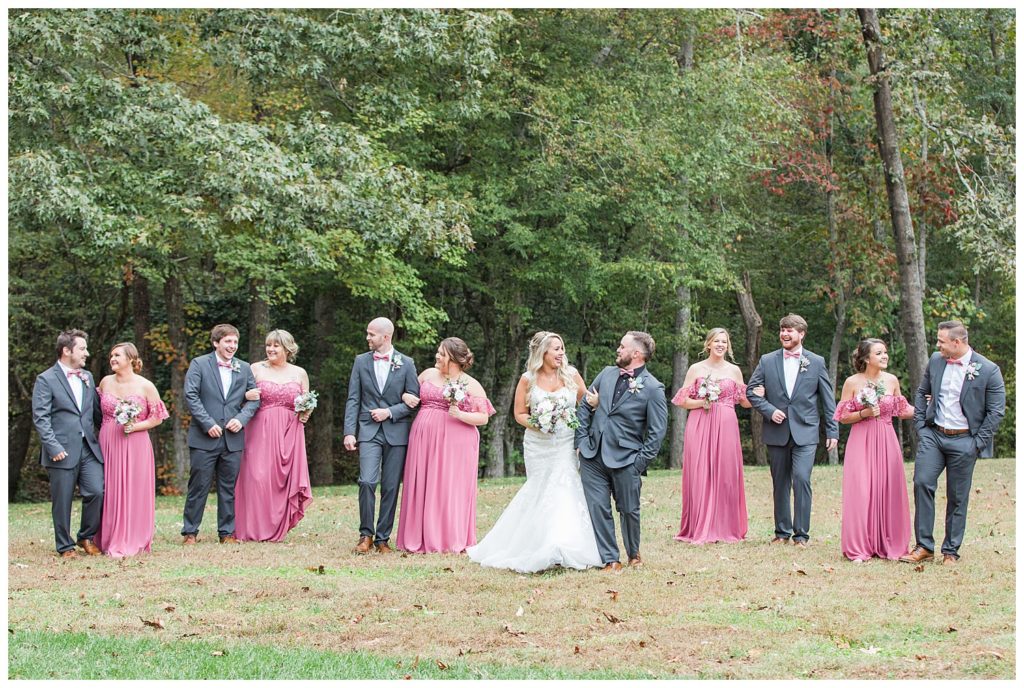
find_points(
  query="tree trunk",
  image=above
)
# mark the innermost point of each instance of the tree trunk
(838, 269)
(259, 324)
(911, 296)
(179, 365)
(501, 439)
(752, 321)
(140, 321)
(321, 423)
(680, 362)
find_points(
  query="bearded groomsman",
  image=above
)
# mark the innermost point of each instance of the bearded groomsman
(66, 412)
(795, 382)
(215, 387)
(379, 421)
(957, 409)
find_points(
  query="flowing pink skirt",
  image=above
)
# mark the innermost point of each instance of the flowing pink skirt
(273, 490)
(129, 491)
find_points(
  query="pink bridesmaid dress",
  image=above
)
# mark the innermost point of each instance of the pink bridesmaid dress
(273, 490)
(129, 481)
(876, 510)
(714, 503)
(439, 495)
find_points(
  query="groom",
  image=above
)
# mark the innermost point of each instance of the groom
(379, 421)
(795, 381)
(616, 441)
(957, 409)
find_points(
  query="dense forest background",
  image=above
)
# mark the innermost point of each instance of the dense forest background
(488, 174)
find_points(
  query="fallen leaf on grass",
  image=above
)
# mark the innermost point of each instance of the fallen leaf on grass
(448, 569)
(218, 653)
(828, 569)
(920, 657)
(872, 650)
(356, 619)
(156, 623)
(407, 677)
(801, 572)
(519, 612)
(441, 665)
(575, 648)
(21, 566)
(508, 629)
(991, 652)
(169, 607)
(614, 594)
(415, 662)
(611, 617)
(305, 588)
(919, 568)
(319, 570)
(951, 629)
(670, 582)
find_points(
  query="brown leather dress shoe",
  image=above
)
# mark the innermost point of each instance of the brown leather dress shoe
(382, 548)
(918, 555)
(800, 543)
(68, 554)
(188, 540)
(949, 560)
(229, 540)
(89, 546)
(614, 567)
(779, 541)
(365, 542)
(636, 562)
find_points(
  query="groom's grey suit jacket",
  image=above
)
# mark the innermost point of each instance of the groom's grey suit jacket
(62, 426)
(812, 385)
(982, 400)
(364, 395)
(629, 431)
(205, 398)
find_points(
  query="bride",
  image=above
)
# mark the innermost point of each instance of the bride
(547, 523)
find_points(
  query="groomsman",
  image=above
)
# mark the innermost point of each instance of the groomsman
(795, 382)
(215, 387)
(957, 409)
(66, 412)
(379, 421)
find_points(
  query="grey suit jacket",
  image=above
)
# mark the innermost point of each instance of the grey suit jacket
(812, 387)
(364, 395)
(61, 425)
(628, 432)
(205, 399)
(983, 399)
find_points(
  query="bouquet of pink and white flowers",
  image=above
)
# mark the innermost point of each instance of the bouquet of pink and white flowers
(454, 391)
(305, 402)
(548, 415)
(709, 390)
(871, 394)
(126, 412)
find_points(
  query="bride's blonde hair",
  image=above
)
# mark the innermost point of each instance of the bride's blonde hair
(539, 345)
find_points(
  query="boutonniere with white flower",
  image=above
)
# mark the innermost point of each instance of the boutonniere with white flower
(396, 362)
(804, 363)
(235, 367)
(972, 370)
(635, 384)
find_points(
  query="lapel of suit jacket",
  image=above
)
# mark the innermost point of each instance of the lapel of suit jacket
(392, 374)
(606, 391)
(780, 370)
(216, 376)
(627, 393)
(372, 364)
(968, 381)
(63, 380)
(799, 374)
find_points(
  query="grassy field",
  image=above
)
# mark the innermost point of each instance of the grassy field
(308, 608)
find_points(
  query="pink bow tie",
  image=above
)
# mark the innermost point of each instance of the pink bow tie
(381, 357)
(791, 354)
(954, 361)
(222, 364)
(76, 373)
(623, 371)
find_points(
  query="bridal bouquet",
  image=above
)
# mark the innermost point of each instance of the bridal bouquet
(305, 402)
(871, 394)
(126, 413)
(709, 390)
(454, 391)
(548, 415)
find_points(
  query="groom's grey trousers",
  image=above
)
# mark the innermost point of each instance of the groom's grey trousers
(599, 484)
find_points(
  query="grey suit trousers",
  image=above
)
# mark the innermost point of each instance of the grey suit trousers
(791, 466)
(599, 484)
(956, 455)
(205, 466)
(379, 462)
(88, 475)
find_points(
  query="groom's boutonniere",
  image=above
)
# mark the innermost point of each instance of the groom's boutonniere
(235, 367)
(972, 370)
(396, 361)
(635, 384)
(804, 362)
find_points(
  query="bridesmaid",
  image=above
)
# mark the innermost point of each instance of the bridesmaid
(714, 503)
(273, 490)
(129, 474)
(439, 498)
(876, 512)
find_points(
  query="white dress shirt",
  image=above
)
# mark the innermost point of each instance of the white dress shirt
(77, 386)
(225, 375)
(948, 413)
(382, 368)
(791, 368)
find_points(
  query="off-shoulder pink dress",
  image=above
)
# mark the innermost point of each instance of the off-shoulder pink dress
(876, 511)
(714, 502)
(438, 511)
(129, 481)
(273, 491)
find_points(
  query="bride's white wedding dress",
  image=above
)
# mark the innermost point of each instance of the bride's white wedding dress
(547, 523)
